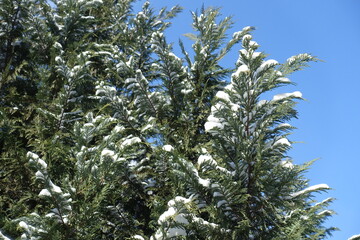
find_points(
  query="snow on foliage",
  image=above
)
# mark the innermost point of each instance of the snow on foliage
(243, 69)
(168, 148)
(130, 141)
(287, 164)
(355, 237)
(211, 125)
(310, 189)
(138, 237)
(51, 191)
(115, 97)
(266, 65)
(283, 141)
(281, 96)
(3, 237)
(223, 95)
(172, 215)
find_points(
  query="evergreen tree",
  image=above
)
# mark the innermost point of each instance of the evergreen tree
(106, 134)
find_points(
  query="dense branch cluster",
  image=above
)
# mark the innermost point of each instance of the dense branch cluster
(105, 133)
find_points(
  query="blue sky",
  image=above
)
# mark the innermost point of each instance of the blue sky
(329, 120)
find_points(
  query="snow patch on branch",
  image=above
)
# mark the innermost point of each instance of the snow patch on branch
(283, 141)
(168, 148)
(44, 192)
(130, 141)
(287, 164)
(211, 125)
(138, 237)
(2, 236)
(296, 94)
(243, 69)
(355, 237)
(223, 95)
(314, 188)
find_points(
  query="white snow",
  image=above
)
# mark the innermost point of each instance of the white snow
(325, 212)
(203, 222)
(217, 194)
(214, 119)
(54, 188)
(223, 95)
(172, 211)
(216, 107)
(324, 201)
(253, 44)
(175, 231)
(247, 37)
(130, 141)
(180, 218)
(2, 236)
(266, 65)
(284, 125)
(283, 141)
(283, 80)
(107, 152)
(317, 187)
(229, 87)
(168, 148)
(261, 103)
(204, 182)
(141, 15)
(167, 214)
(87, 17)
(179, 199)
(220, 203)
(205, 158)
(204, 50)
(270, 62)
(39, 175)
(237, 34)
(296, 94)
(32, 155)
(44, 192)
(58, 59)
(88, 125)
(354, 237)
(138, 237)
(57, 45)
(255, 55)
(287, 164)
(158, 235)
(147, 127)
(174, 56)
(118, 129)
(242, 69)
(210, 125)
(292, 59)
(234, 107)
(42, 163)
(186, 91)
(247, 28)
(24, 225)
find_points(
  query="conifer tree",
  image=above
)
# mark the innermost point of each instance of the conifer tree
(107, 134)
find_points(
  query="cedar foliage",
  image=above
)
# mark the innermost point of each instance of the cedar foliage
(106, 134)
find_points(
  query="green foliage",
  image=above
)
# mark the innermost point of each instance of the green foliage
(106, 134)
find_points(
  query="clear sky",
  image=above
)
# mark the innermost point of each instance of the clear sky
(329, 121)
